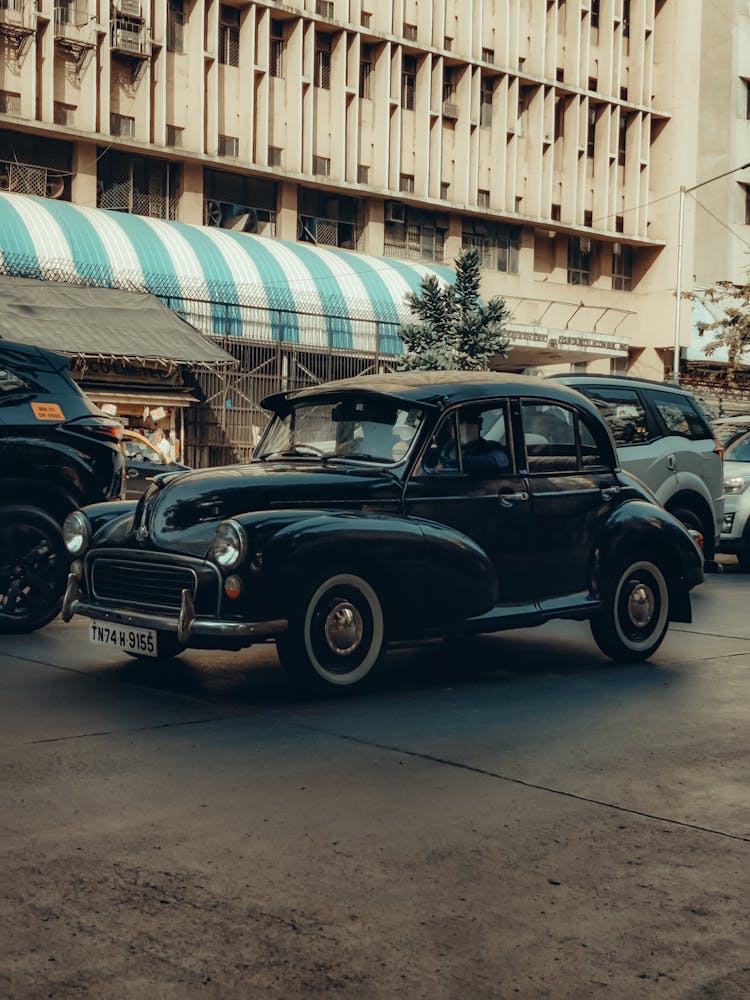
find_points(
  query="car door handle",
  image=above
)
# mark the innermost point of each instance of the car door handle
(608, 491)
(132, 473)
(671, 463)
(506, 499)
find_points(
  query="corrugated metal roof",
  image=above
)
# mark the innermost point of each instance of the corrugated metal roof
(40, 238)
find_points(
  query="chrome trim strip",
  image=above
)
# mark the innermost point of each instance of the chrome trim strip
(73, 605)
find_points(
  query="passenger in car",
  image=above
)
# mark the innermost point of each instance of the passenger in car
(479, 457)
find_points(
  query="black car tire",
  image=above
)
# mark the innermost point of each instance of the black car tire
(634, 617)
(336, 635)
(167, 646)
(693, 522)
(33, 569)
(743, 557)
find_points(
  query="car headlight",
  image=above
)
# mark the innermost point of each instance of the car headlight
(76, 532)
(736, 484)
(230, 544)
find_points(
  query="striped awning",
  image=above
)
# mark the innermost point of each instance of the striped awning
(309, 295)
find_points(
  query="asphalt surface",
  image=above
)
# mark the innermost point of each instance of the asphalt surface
(513, 816)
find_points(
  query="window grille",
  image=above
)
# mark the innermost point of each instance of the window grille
(622, 268)
(497, 245)
(229, 36)
(137, 184)
(122, 125)
(321, 166)
(322, 77)
(229, 145)
(175, 26)
(365, 79)
(276, 61)
(579, 261)
(408, 84)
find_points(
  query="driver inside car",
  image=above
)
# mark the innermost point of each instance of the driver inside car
(479, 456)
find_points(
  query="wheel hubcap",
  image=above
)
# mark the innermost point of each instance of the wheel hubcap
(641, 605)
(343, 628)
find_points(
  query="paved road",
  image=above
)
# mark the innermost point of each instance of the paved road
(514, 817)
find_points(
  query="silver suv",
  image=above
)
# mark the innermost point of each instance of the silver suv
(664, 438)
(735, 531)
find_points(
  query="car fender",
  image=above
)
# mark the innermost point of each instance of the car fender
(48, 496)
(638, 528)
(111, 522)
(424, 572)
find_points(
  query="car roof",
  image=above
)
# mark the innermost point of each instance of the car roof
(591, 378)
(435, 388)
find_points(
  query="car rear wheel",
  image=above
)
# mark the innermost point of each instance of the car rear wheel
(693, 523)
(635, 612)
(336, 635)
(33, 569)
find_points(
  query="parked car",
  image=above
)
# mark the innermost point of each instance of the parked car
(665, 439)
(359, 521)
(727, 428)
(143, 461)
(735, 532)
(58, 452)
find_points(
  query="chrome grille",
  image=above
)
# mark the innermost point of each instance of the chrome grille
(141, 585)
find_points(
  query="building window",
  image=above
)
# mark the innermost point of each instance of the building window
(328, 220)
(324, 8)
(416, 235)
(122, 125)
(485, 105)
(498, 245)
(322, 61)
(10, 103)
(276, 59)
(622, 138)
(175, 136)
(579, 260)
(622, 267)
(240, 202)
(229, 36)
(175, 26)
(140, 185)
(626, 18)
(483, 198)
(229, 145)
(321, 166)
(591, 134)
(488, 55)
(274, 156)
(363, 174)
(406, 183)
(410, 32)
(747, 99)
(408, 83)
(64, 113)
(365, 74)
(594, 13)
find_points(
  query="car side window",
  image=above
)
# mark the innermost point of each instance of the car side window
(624, 412)
(550, 437)
(679, 414)
(441, 455)
(592, 456)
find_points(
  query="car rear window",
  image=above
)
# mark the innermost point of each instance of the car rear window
(623, 410)
(680, 415)
(739, 450)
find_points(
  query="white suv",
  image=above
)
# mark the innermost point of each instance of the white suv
(664, 438)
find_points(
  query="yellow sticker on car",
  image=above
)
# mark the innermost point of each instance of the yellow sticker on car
(47, 411)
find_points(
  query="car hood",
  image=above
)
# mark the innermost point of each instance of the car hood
(182, 511)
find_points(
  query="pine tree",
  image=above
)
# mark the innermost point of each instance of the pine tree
(454, 329)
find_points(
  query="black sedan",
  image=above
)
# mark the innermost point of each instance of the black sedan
(391, 507)
(143, 461)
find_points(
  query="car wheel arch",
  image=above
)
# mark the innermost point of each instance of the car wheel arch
(694, 503)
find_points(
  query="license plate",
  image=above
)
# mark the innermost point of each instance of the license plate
(134, 640)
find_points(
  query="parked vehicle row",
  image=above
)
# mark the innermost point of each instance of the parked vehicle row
(389, 507)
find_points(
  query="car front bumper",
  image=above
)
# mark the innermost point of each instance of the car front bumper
(184, 625)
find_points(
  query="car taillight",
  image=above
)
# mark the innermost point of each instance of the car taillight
(99, 429)
(718, 448)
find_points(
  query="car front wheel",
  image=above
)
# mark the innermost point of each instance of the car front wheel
(336, 635)
(634, 617)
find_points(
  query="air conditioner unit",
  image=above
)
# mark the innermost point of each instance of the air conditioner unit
(395, 212)
(130, 7)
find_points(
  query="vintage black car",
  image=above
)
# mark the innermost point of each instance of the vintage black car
(389, 507)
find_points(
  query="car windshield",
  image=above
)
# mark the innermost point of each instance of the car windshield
(739, 450)
(360, 428)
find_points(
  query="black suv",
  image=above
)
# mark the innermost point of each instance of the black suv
(57, 452)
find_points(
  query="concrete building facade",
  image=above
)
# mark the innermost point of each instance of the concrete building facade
(552, 135)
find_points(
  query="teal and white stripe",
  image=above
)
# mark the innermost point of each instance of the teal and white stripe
(229, 282)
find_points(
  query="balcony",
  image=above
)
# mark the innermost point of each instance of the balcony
(130, 37)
